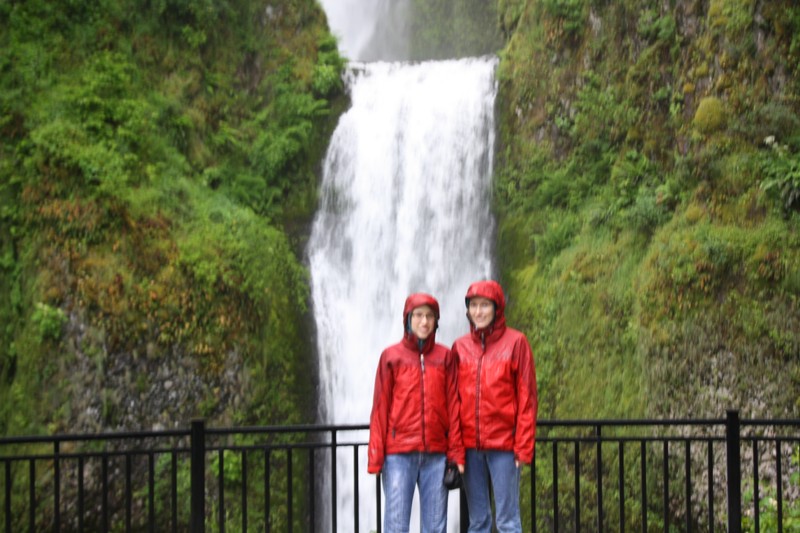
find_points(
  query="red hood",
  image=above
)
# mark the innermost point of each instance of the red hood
(415, 300)
(491, 290)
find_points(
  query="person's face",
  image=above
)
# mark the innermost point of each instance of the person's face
(423, 321)
(481, 311)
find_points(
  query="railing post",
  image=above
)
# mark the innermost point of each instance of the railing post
(734, 467)
(198, 476)
(463, 514)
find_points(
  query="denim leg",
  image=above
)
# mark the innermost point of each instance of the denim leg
(399, 476)
(432, 493)
(505, 486)
(476, 487)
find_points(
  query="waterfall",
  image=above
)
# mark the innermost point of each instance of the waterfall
(404, 208)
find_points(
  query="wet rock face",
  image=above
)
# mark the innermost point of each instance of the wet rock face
(144, 389)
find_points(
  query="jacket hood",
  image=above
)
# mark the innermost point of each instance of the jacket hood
(491, 290)
(415, 300)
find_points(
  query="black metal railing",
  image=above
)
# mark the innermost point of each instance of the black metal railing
(588, 475)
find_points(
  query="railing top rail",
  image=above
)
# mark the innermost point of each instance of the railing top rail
(632, 422)
(300, 428)
(322, 429)
(75, 437)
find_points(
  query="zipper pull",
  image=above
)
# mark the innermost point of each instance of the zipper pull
(422, 363)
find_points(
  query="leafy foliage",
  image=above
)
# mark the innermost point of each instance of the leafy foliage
(781, 170)
(150, 157)
(635, 194)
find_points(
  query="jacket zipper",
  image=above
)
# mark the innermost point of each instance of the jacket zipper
(422, 384)
(478, 395)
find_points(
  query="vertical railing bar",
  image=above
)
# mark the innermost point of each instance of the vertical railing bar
(688, 481)
(756, 496)
(533, 493)
(289, 483)
(378, 500)
(267, 495)
(779, 478)
(221, 489)
(577, 487)
(128, 492)
(198, 476)
(643, 459)
(555, 485)
(333, 481)
(355, 488)
(151, 492)
(463, 514)
(7, 464)
(244, 491)
(734, 472)
(710, 470)
(174, 490)
(621, 485)
(312, 478)
(598, 435)
(665, 473)
(56, 487)
(32, 496)
(80, 494)
(105, 511)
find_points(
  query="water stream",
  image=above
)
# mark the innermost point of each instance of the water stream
(404, 208)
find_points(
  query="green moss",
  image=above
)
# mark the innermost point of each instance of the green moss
(710, 115)
(732, 17)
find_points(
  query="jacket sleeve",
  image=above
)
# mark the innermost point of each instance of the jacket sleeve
(379, 418)
(528, 404)
(455, 445)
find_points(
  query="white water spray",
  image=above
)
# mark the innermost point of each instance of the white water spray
(370, 30)
(405, 207)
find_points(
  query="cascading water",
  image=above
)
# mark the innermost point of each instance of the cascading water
(404, 208)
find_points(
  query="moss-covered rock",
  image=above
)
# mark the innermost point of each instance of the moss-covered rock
(710, 115)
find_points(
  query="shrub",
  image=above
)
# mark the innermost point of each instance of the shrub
(49, 321)
(782, 177)
(571, 12)
(558, 236)
(772, 119)
(732, 17)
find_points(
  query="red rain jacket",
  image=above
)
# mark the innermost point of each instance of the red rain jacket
(415, 403)
(496, 382)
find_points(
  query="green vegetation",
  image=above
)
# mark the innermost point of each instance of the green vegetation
(647, 200)
(648, 203)
(156, 162)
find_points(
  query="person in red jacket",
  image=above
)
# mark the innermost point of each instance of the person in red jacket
(497, 392)
(414, 425)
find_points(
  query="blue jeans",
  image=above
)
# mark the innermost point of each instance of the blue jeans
(497, 467)
(401, 473)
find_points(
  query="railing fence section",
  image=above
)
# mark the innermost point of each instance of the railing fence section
(588, 475)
